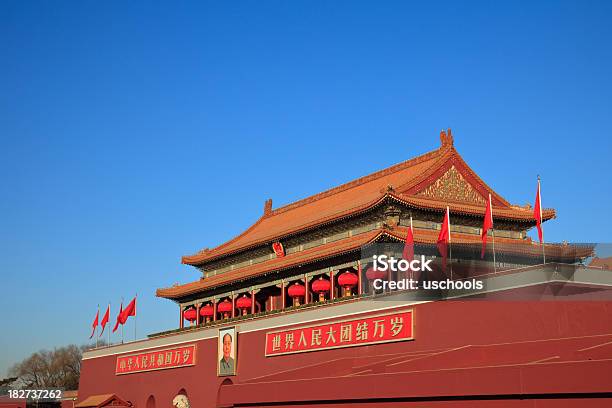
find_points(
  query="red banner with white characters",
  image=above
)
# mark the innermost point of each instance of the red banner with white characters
(176, 357)
(363, 331)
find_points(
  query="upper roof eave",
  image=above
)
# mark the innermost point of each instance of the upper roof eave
(417, 203)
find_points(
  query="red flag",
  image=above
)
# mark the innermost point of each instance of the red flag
(95, 323)
(119, 317)
(408, 252)
(487, 224)
(444, 237)
(105, 319)
(130, 310)
(537, 211)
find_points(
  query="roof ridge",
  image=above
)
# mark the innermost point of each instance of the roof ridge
(268, 213)
(361, 180)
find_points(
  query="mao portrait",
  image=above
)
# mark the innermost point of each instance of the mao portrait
(227, 344)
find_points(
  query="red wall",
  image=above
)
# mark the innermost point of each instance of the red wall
(438, 325)
(6, 402)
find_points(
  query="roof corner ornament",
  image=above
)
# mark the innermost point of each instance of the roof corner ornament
(446, 137)
(268, 207)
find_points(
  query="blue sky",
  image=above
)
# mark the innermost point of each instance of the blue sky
(133, 133)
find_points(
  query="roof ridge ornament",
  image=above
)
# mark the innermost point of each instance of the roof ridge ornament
(446, 138)
(268, 207)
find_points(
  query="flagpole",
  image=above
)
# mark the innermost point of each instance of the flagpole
(109, 329)
(494, 262)
(96, 329)
(450, 245)
(412, 231)
(122, 324)
(450, 255)
(492, 233)
(541, 220)
(136, 314)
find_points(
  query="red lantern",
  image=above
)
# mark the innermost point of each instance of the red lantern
(244, 303)
(321, 286)
(347, 280)
(296, 291)
(225, 307)
(207, 312)
(190, 314)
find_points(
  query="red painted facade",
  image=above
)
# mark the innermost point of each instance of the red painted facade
(6, 402)
(465, 353)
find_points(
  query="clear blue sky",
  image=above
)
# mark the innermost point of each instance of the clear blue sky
(133, 133)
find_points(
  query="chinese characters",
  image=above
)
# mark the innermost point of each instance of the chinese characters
(156, 360)
(364, 331)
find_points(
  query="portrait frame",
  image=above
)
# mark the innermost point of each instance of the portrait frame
(222, 369)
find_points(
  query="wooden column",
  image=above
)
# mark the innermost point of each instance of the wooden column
(198, 313)
(306, 294)
(233, 305)
(283, 299)
(214, 302)
(182, 322)
(359, 283)
(253, 301)
(333, 285)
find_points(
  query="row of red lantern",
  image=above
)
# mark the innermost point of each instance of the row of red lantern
(297, 290)
(321, 286)
(191, 313)
(243, 303)
(346, 280)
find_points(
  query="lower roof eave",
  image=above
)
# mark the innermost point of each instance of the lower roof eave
(355, 243)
